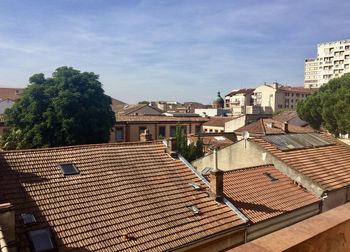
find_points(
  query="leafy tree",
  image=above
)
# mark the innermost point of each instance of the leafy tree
(189, 152)
(67, 109)
(329, 107)
(144, 102)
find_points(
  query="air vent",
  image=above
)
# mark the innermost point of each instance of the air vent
(195, 210)
(69, 169)
(195, 186)
(28, 218)
(272, 178)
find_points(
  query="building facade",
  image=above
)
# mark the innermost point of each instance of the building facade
(237, 100)
(270, 98)
(333, 60)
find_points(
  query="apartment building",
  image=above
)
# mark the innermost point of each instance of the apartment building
(333, 60)
(270, 98)
(237, 100)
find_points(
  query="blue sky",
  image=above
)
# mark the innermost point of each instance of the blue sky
(167, 49)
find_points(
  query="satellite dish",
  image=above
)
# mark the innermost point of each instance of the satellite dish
(245, 135)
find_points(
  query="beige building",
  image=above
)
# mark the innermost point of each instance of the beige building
(237, 100)
(129, 127)
(270, 98)
(333, 60)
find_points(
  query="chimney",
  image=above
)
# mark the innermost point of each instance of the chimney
(171, 147)
(216, 180)
(145, 136)
(285, 127)
(275, 85)
(7, 227)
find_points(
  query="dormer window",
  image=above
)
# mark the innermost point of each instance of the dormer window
(69, 169)
(41, 240)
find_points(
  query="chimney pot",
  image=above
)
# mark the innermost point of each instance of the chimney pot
(217, 184)
(171, 144)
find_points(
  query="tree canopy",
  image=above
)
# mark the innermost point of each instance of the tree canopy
(189, 152)
(329, 107)
(67, 109)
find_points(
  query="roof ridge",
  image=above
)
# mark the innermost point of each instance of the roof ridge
(84, 146)
(249, 168)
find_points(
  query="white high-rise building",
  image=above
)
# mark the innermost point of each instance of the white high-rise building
(333, 60)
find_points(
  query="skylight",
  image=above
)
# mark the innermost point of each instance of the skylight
(28, 218)
(69, 169)
(296, 141)
(41, 240)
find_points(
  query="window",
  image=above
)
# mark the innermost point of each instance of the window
(41, 240)
(69, 169)
(119, 134)
(198, 129)
(161, 132)
(172, 131)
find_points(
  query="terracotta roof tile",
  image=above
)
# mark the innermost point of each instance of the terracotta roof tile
(328, 166)
(133, 188)
(256, 196)
(10, 93)
(262, 127)
(218, 121)
(175, 119)
(241, 91)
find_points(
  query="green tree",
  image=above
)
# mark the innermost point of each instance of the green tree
(189, 152)
(67, 109)
(329, 107)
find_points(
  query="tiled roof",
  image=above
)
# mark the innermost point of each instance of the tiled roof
(258, 198)
(218, 121)
(134, 189)
(133, 108)
(261, 128)
(328, 166)
(291, 117)
(117, 105)
(174, 119)
(218, 141)
(296, 89)
(10, 93)
(241, 91)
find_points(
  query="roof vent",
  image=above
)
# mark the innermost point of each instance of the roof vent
(272, 178)
(28, 218)
(194, 209)
(195, 186)
(69, 169)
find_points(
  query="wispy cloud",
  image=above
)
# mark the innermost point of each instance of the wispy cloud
(178, 50)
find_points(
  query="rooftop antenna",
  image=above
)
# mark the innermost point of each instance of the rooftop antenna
(245, 135)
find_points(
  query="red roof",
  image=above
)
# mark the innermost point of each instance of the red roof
(134, 189)
(160, 118)
(10, 93)
(268, 126)
(218, 121)
(328, 166)
(241, 91)
(259, 198)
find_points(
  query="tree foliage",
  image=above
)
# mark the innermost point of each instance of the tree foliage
(189, 152)
(329, 107)
(67, 109)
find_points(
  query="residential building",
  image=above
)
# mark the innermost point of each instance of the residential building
(129, 127)
(269, 199)
(213, 141)
(117, 105)
(238, 100)
(10, 93)
(274, 97)
(242, 120)
(110, 197)
(5, 104)
(333, 60)
(291, 117)
(318, 162)
(216, 124)
(177, 107)
(139, 109)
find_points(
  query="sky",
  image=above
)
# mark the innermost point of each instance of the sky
(175, 50)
